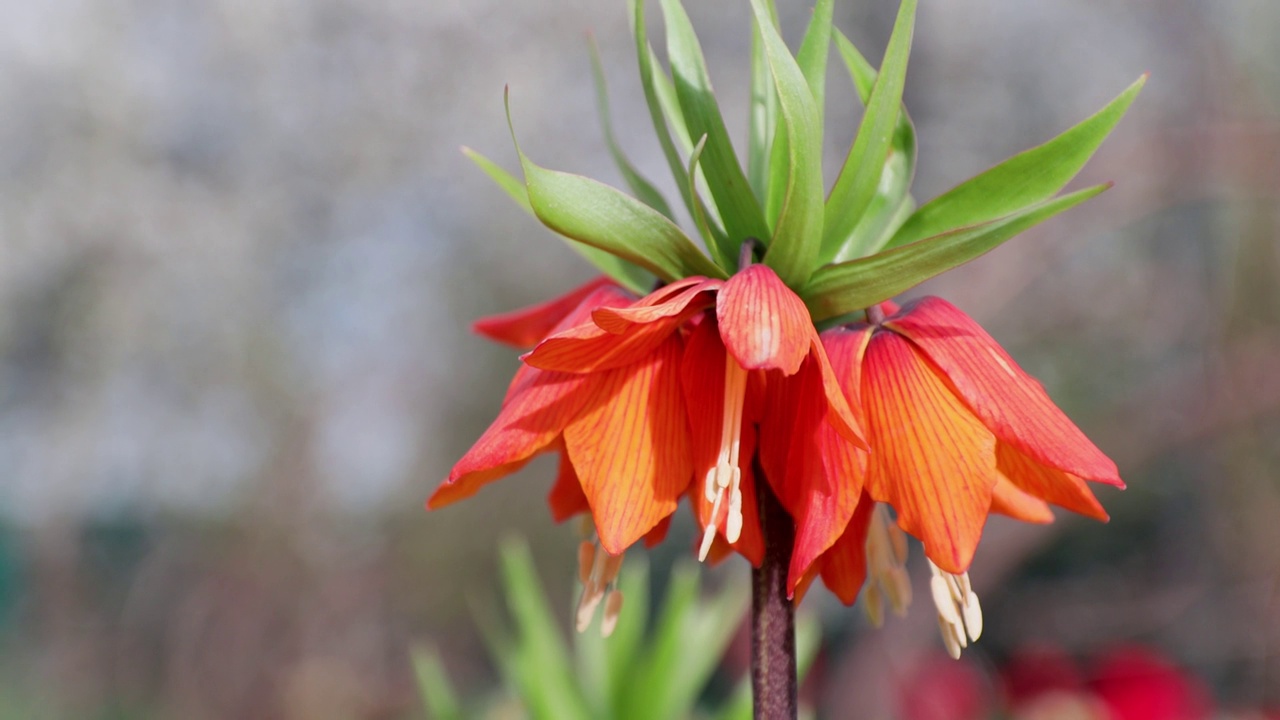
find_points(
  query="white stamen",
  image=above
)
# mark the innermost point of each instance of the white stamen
(887, 578)
(612, 608)
(724, 480)
(959, 612)
(598, 571)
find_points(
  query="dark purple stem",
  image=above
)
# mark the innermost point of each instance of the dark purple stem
(773, 626)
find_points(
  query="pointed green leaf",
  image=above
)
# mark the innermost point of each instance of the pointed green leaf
(1023, 179)
(434, 686)
(762, 121)
(641, 188)
(860, 176)
(793, 249)
(814, 49)
(603, 217)
(664, 112)
(699, 209)
(891, 204)
(547, 681)
(738, 207)
(851, 286)
(626, 274)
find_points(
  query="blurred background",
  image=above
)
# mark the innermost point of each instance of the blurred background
(240, 251)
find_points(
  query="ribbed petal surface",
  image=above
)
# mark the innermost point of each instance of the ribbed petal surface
(630, 447)
(1007, 400)
(844, 566)
(664, 302)
(527, 327)
(1007, 499)
(566, 498)
(763, 323)
(1049, 484)
(931, 458)
(816, 473)
(588, 347)
(702, 376)
(538, 408)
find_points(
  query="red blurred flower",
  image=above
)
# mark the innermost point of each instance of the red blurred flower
(1137, 684)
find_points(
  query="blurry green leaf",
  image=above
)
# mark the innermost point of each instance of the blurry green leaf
(860, 176)
(1023, 179)
(892, 203)
(546, 678)
(738, 207)
(646, 192)
(628, 275)
(793, 249)
(686, 645)
(762, 119)
(602, 217)
(851, 286)
(434, 686)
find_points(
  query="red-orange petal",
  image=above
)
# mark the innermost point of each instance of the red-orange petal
(566, 498)
(1048, 484)
(1008, 499)
(1008, 401)
(764, 325)
(588, 347)
(630, 447)
(930, 459)
(539, 407)
(702, 378)
(527, 327)
(844, 566)
(816, 473)
(664, 302)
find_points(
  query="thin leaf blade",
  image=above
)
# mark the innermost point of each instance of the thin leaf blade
(793, 248)
(738, 207)
(849, 287)
(1022, 180)
(602, 217)
(860, 176)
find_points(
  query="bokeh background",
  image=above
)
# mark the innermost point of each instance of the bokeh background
(240, 251)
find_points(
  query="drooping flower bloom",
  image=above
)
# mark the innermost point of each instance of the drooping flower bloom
(628, 420)
(957, 430)
(738, 336)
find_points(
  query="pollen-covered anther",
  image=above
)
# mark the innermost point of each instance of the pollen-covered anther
(598, 572)
(959, 612)
(886, 568)
(723, 483)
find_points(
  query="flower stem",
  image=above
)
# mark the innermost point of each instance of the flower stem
(773, 628)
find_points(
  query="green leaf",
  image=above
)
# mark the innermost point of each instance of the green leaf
(851, 286)
(1023, 179)
(602, 217)
(762, 120)
(688, 641)
(793, 249)
(641, 188)
(814, 49)
(738, 207)
(892, 203)
(543, 671)
(860, 176)
(664, 112)
(699, 209)
(626, 274)
(434, 686)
